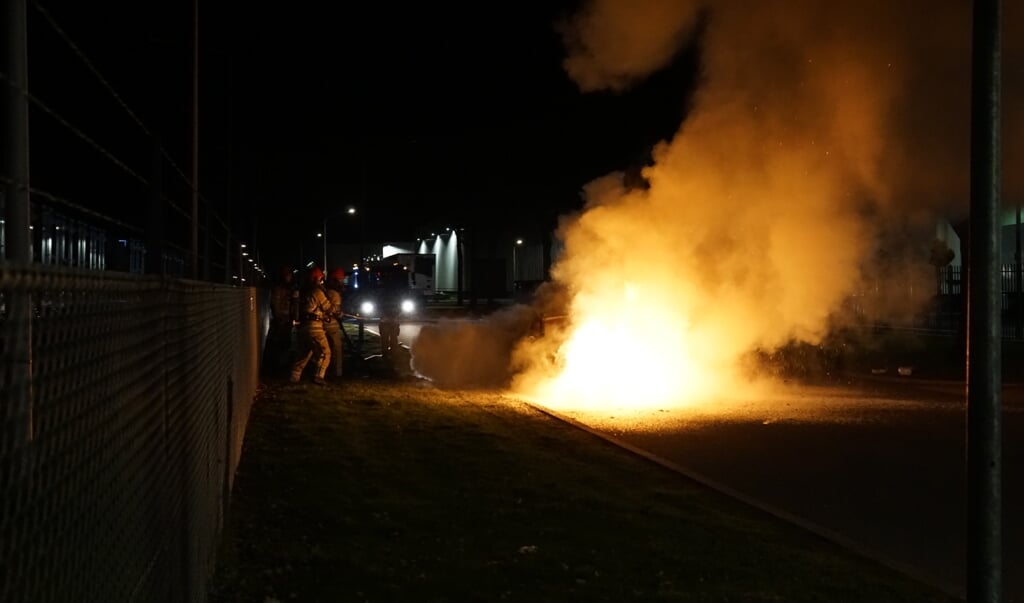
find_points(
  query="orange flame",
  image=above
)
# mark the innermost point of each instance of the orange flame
(626, 349)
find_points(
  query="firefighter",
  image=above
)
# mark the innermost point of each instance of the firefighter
(314, 311)
(283, 314)
(390, 308)
(389, 329)
(335, 283)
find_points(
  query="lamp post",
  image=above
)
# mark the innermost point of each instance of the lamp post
(242, 254)
(515, 263)
(323, 235)
(350, 210)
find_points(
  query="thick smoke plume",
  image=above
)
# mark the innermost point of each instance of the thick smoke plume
(823, 137)
(824, 141)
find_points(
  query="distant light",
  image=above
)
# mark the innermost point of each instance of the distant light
(408, 306)
(245, 253)
(351, 210)
(243, 245)
(366, 308)
(519, 241)
(319, 235)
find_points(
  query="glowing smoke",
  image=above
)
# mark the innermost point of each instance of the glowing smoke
(819, 129)
(470, 353)
(612, 44)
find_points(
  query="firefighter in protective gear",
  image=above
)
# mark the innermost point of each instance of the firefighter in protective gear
(335, 283)
(284, 298)
(314, 311)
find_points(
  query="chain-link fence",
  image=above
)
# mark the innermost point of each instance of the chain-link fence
(124, 404)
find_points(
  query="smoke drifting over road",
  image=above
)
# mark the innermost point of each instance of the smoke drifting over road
(471, 353)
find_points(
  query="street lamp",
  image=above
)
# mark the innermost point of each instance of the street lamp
(515, 266)
(350, 210)
(242, 254)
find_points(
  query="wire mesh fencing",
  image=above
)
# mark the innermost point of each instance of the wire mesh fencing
(124, 405)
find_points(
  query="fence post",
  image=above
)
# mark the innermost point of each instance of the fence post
(1018, 277)
(227, 255)
(154, 227)
(17, 217)
(984, 326)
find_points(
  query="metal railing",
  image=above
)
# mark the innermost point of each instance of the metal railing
(124, 402)
(941, 306)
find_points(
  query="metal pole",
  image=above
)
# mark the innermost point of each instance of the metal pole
(207, 233)
(154, 227)
(17, 210)
(228, 172)
(984, 327)
(459, 259)
(1018, 280)
(227, 256)
(515, 269)
(195, 140)
(17, 329)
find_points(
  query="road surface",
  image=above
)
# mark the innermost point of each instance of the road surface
(880, 464)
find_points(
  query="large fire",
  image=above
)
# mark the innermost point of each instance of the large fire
(818, 133)
(824, 141)
(610, 360)
(627, 349)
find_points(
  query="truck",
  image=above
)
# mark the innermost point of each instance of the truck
(420, 270)
(400, 284)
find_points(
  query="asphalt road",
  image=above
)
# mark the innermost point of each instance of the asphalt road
(879, 465)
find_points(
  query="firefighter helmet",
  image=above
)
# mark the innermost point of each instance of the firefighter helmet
(337, 274)
(316, 274)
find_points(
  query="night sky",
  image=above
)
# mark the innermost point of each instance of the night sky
(421, 116)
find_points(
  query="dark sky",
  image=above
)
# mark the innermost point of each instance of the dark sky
(418, 114)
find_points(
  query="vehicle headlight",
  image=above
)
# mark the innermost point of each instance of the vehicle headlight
(408, 307)
(366, 307)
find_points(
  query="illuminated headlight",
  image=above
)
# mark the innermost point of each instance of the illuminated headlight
(408, 307)
(366, 307)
